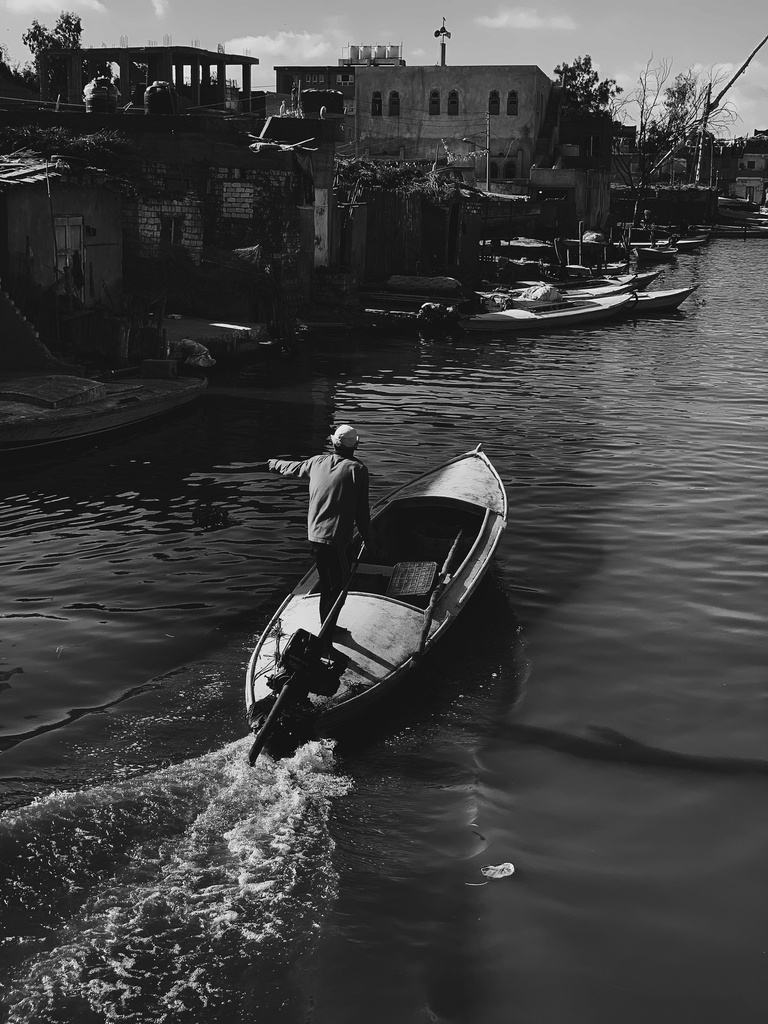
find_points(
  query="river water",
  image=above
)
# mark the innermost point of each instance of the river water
(147, 875)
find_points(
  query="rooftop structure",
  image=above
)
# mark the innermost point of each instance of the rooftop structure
(163, 63)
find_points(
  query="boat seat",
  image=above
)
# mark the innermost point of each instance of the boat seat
(365, 569)
(412, 579)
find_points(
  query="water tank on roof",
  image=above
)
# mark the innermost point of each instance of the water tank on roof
(160, 98)
(354, 53)
(381, 51)
(366, 52)
(393, 52)
(100, 96)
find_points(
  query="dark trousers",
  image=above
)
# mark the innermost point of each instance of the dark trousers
(333, 568)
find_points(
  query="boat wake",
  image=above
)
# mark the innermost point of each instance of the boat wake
(167, 897)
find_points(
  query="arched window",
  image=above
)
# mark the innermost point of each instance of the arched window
(510, 170)
(494, 171)
(434, 101)
(512, 104)
(376, 105)
(394, 104)
(453, 102)
(494, 104)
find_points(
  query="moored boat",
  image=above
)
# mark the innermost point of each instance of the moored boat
(567, 312)
(681, 244)
(663, 299)
(635, 281)
(435, 538)
(656, 253)
(48, 409)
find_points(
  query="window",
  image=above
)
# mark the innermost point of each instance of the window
(170, 230)
(376, 105)
(494, 104)
(750, 165)
(345, 79)
(512, 104)
(434, 102)
(321, 79)
(510, 169)
(453, 102)
(394, 104)
(494, 171)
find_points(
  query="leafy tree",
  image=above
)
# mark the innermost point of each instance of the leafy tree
(12, 71)
(583, 92)
(65, 35)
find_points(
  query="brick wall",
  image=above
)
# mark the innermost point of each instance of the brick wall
(146, 217)
(219, 205)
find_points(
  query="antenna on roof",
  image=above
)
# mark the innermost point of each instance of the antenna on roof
(442, 34)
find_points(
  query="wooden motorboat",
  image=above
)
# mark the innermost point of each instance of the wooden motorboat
(435, 537)
(44, 410)
(568, 312)
(664, 299)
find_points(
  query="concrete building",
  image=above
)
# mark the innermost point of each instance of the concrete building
(752, 177)
(440, 114)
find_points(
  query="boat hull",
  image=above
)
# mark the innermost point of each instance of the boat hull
(666, 299)
(26, 424)
(656, 255)
(566, 314)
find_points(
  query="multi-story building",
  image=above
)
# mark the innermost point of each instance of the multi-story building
(491, 117)
(752, 177)
(442, 113)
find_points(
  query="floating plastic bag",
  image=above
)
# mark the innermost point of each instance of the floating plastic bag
(498, 870)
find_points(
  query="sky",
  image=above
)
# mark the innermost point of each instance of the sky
(621, 36)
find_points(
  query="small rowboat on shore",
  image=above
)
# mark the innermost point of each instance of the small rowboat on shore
(435, 537)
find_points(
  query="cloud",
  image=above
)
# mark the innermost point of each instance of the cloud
(288, 47)
(161, 7)
(526, 18)
(54, 6)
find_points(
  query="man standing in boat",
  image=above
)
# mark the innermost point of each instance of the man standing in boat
(338, 501)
